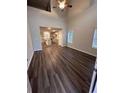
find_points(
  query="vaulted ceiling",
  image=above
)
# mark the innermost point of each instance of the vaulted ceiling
(41, 4)
(77, 6)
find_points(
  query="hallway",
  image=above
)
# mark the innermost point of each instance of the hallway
(60, 70)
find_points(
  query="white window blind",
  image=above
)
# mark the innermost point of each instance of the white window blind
(70, 37)
(94, 44)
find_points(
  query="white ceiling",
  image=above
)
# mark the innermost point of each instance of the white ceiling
(78, 6)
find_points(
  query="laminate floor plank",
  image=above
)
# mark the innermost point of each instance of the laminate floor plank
(58, 69)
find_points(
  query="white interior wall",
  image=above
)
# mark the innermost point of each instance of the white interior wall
(39, 18)
(82, 20)
(60, 38)
(30, 50)
(83, 24)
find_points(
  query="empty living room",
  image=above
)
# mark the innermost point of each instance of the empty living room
(62, 48)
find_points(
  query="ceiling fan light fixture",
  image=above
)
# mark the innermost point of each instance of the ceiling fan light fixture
(62, 5)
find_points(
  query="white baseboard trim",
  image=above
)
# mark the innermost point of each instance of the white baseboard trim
(81, 51)
(64, 45)
(29, 60)
(38, 50)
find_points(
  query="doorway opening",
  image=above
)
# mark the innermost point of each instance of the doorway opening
(50, 36)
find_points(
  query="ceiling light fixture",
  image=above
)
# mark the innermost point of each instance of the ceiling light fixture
(62, 4)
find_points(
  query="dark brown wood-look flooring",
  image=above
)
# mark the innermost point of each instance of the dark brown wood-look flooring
(60, 70)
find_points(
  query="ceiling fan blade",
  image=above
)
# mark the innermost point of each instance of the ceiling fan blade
(69, 6)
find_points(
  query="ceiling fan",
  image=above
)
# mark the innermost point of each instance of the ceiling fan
(62, 4)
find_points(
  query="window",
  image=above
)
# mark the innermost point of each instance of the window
(70, 37)
(94, 44)
(46, 35)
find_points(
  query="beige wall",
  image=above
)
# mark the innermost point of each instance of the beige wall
(39, 18)
(30, 50)
(82, 20)
(83, 24)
